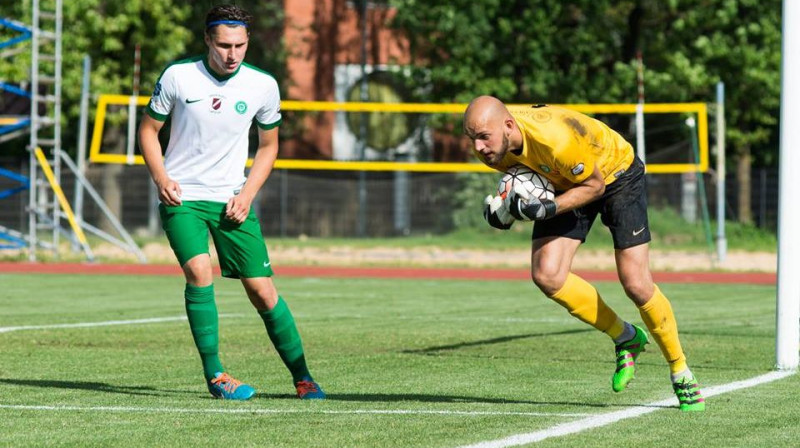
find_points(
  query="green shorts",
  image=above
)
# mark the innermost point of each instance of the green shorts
(240, 247)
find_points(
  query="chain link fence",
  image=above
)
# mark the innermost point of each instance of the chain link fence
(369, 204)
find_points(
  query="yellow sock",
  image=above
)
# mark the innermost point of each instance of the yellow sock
(584, 302)
(657, 315)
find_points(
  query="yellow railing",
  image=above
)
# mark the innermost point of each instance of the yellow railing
(95, 155)
(62, 200)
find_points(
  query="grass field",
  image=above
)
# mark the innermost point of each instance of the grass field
(411, 363)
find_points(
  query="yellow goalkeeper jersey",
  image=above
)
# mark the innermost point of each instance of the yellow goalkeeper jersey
(564, 146)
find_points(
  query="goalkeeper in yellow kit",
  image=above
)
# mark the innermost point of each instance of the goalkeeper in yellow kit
(594, 171)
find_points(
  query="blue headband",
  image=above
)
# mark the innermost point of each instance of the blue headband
(226, 22)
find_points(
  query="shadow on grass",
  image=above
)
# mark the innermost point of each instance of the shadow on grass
(428, 398)
(369, 398)
(499, 340)
(95, 387)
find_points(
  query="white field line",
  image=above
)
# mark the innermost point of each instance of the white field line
(103, 323)
(135, 409)
(597, 421)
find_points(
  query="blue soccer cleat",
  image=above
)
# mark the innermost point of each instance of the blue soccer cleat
(307, 389)
(225, 387)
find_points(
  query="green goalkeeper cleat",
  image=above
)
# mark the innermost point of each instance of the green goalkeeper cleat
(690, 398)
(627, 352)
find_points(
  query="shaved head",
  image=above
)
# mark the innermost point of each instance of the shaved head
(484, 109)
(489, 124)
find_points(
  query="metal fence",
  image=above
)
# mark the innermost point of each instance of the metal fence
(327, 203)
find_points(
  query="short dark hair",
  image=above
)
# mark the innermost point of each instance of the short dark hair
(232, 13)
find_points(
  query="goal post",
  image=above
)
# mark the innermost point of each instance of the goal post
(787, 342)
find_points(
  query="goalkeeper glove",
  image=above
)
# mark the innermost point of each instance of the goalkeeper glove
(526, 208)
(496, 213)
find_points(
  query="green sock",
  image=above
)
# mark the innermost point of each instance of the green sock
(284, 336)
(203, 321)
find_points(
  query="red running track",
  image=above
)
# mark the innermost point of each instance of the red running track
(756, 278)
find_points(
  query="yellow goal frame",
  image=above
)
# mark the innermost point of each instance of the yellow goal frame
(104, 100)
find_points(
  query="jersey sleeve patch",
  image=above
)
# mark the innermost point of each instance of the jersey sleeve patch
(577, 171)
(164, 94)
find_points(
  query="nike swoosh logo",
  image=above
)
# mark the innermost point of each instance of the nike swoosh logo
(188, 101)
(636, 232)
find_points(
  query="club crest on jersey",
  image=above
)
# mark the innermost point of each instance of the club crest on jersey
(541, 116)
(216, 104)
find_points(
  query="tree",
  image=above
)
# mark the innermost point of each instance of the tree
(550, 51)
(737, 42)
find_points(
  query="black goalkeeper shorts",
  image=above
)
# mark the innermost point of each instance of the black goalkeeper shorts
(622, 208)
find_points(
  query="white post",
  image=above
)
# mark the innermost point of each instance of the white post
(722, 242)
(132, 104)
(33, 190)
(130, 147)
(788, 302)
(640, 107)
(84, 120)
(689, 180)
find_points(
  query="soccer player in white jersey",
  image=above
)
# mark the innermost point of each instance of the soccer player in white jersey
(213, 100)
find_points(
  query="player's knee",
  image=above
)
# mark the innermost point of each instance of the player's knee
(268, 296)
(638, 290)
(263, 295)
(549, 281)
(198, 271)
(264, 301)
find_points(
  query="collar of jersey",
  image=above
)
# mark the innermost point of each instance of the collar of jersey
(216, 75)
(522, 151)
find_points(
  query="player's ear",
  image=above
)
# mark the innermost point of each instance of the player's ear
(508, 125)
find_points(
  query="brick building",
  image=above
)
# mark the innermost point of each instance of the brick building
(324, 43)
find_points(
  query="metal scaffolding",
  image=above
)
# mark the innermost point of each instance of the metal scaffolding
(47, 203)
(13, 126)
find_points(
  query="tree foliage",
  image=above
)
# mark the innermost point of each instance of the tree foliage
(519, 50)
(544, 51)
(737, 42)
(584, 51)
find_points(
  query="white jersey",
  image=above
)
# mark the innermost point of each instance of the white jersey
(211, 119)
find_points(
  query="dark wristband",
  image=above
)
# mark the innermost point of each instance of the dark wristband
(550, 208)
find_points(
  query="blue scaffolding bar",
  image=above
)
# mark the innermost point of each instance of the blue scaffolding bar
(25, 32)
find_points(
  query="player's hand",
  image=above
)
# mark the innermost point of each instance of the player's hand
(237, 209)
(496, 213)
(526, 208)
(169, 192)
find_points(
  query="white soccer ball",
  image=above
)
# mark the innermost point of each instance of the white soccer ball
(534, 183)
